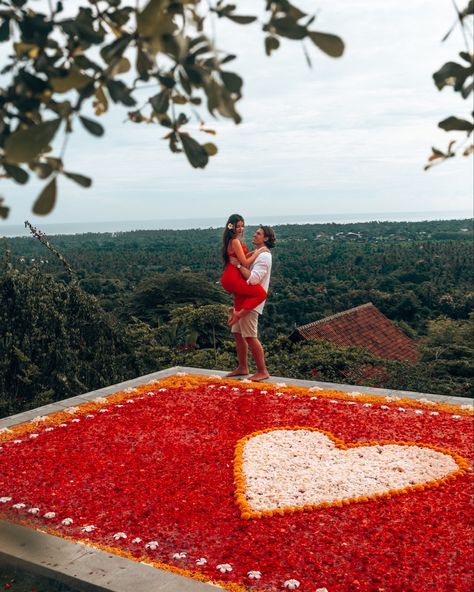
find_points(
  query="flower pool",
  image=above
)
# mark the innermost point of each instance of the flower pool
(255, 486)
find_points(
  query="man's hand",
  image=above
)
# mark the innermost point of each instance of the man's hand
(233, 261)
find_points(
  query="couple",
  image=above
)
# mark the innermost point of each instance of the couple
(247, 276)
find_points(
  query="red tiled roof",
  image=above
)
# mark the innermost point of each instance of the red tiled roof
(363, 326)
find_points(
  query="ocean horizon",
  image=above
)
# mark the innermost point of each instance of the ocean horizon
(113, 226)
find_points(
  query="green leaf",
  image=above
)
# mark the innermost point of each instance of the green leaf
(115, 49)
(155, 24)
(467, 56)
(167, 81)
(295, 12)
(42, 169)
(143, 65)
(75, 79)
(54, 163)
(23, 50)
(195, 153)
(161, 101)
(121, 67)
(271, 43)
(5, 30)
(469, 9)
(17, 173)
(210, 148)
(92, 126)
(183, 78)
(232, 81)
(332, 45)
(46, 199)
(288, 27)
(85, 32)
(84, 63)
(120, 93)
(79, 179)
(449, 73)
(25, 144)
(228, 58)
(455, 124)
(467, 90)
(147, 19)
(179, 100)
(241, 20)
(3, 210)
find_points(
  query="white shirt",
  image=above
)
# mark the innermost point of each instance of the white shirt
(260, 272)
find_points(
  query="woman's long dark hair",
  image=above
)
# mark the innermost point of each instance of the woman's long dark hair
(229, 234)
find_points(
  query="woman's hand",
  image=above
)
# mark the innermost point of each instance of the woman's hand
(234, 261)
(262, 250)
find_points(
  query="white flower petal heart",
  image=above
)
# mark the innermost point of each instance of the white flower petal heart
(294, 468)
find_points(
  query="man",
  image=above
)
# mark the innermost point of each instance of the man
(245, 330)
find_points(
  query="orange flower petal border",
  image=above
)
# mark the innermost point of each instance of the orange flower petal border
(191, 381)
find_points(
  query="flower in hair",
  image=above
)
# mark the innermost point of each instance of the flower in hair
(230, 226)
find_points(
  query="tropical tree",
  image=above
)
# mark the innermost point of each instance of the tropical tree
(55, 341)
(155, 297)
(204, 325)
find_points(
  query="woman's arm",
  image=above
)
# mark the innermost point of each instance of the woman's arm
(240, 255)
(254, 254)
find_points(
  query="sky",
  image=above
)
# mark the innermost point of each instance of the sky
(348, 135)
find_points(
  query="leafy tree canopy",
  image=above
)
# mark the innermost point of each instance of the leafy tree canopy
(62, 65)
(156, 294)
(105, 53)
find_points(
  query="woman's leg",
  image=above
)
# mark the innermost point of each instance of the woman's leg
(249, 296)
(246, 296)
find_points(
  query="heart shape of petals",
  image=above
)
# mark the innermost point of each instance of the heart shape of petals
(284, 470)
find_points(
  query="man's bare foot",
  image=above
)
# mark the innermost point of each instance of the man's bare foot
(237, 372)
(258, 377)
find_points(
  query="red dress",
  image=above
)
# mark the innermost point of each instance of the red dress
(245, 295)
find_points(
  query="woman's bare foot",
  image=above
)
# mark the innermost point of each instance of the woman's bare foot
(237, 372)
(258, 377)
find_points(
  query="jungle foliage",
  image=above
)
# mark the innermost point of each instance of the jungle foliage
(141, 301)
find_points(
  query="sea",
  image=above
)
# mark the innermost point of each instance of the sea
(114, 226)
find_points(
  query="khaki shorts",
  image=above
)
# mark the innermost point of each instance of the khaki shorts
(248, 325)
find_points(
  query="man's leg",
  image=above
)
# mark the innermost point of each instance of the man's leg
(242, 354)
(249, 329)
(258, 355)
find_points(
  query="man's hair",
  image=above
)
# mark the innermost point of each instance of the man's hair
(270, 239)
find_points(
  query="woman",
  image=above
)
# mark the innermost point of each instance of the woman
(248, 297)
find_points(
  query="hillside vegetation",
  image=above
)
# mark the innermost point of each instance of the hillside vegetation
(145, 300)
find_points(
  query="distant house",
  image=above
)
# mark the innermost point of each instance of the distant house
(363, 326)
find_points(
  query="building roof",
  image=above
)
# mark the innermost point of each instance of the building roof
(363, 326)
